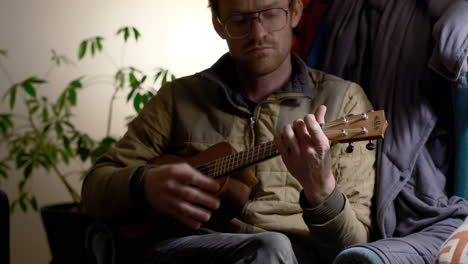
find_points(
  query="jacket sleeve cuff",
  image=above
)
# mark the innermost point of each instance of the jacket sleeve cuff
(137, 191)
(331, 207)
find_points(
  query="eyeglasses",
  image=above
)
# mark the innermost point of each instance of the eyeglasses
(239, 25)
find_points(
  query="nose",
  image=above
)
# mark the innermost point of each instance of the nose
(257, 30)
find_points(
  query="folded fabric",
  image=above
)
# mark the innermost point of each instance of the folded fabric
(358, 255)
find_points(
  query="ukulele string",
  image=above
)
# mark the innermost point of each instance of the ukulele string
(225, 164)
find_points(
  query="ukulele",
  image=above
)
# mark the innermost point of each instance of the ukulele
(230, 168)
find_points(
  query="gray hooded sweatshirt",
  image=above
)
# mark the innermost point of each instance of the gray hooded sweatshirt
(408, 56)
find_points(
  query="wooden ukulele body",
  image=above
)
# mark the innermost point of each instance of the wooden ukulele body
(234, 192)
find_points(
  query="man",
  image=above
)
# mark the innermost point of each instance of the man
(314, 200)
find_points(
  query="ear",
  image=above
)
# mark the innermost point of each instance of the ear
(217, 26)
(296, 12)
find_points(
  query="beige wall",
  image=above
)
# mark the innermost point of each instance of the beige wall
(176, 34)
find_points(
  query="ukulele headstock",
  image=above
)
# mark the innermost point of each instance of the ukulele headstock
(366, 126)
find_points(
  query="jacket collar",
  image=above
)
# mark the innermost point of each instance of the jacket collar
(223, 72)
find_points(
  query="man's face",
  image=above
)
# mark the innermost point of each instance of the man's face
(260, 52)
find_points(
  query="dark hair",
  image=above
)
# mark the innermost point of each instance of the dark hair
(214, 5)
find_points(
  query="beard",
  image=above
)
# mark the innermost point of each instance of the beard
(260, 58)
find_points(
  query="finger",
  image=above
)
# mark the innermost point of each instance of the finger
(314, 129)
(290, 140)
(279, 144)
(302, 135)
(189, 214)
(194, 195)
(320, 114)
(193, 177)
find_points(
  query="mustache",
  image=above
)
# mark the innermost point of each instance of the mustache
(251, 45)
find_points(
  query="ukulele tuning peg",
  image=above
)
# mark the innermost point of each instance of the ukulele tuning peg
(370, 146)
(350, 148)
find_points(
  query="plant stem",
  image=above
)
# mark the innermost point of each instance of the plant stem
(46, 75)
(75, 196)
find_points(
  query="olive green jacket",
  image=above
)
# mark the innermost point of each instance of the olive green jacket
(192, 113)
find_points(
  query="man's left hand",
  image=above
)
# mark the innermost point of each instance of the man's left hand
(305, 151)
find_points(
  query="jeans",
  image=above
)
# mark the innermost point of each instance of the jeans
(267, 247)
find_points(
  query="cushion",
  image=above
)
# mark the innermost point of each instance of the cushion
(455, 248)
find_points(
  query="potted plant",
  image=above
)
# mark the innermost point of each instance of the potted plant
(39, 133)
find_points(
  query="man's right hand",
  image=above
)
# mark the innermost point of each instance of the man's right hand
(180, 191)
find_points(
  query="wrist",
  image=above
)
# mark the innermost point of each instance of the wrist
(317, 193)
(137, 187)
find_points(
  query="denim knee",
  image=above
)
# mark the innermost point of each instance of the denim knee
(273, 247)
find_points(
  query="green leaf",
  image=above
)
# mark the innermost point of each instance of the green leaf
(3, 128)
(27, 86)
(3, 174)
(45, 114)
(13, 96)
(83, 47)
(98, 43)
(34, 109)
(34, 203)
(22, 203)
(66, 144)
(133, 80)
(136, 33)
(28, 170)
(145, 98)
(61, 102)
(53, 153)
(126, 34)
(4, 166)
(93, 48)
(72, 96)
(75, 84)
(125, 31)
(21, 185)
(44, 160)
(32, 101)
(7, 120)
(84, 153)
(13, 207)
(36, 80)
(102, 148)
(164, 80)
(120, 31)
(129, 96)
(46, 128)
(58, 129)
(156, 77)
(137, 102)
(5, 123)
(65, 157)
(172, 77)
(69, 125)
(21, 159)
(120, 78)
